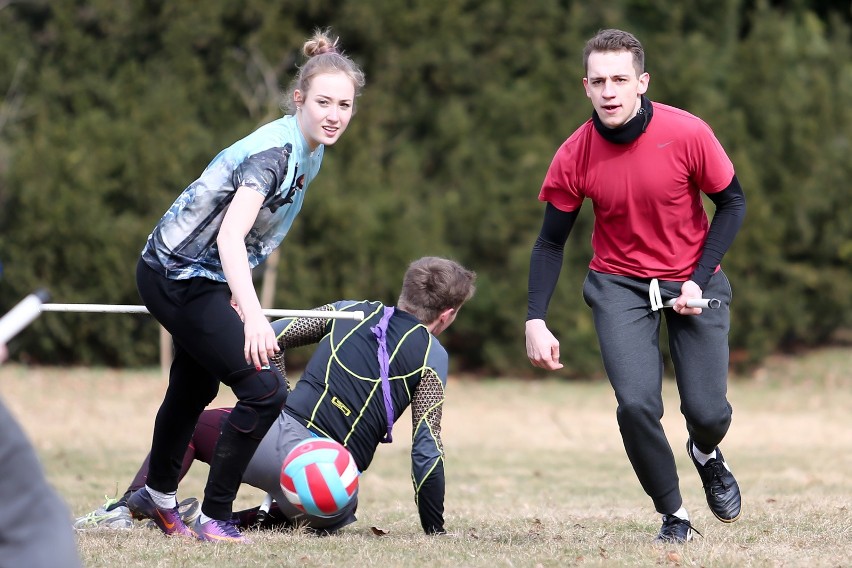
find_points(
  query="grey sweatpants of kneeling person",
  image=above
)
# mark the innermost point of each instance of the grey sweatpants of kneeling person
(264, 472)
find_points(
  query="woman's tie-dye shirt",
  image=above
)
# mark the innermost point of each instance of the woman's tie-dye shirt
(274, 160)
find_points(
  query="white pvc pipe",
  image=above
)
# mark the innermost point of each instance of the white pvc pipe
(657, 300)
(263, 511)
(21, 315)
(703, 303)
(131, 309)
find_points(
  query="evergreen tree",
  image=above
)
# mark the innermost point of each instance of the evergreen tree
(111, 109)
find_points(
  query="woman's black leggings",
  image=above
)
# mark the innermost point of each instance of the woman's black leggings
(208, 341)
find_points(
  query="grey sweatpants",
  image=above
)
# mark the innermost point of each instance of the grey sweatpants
(264, 472)
(629, 333)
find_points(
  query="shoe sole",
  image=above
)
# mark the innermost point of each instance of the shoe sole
(205, 537)
(189, 509)
(659, 540)
(728, 521)
(107, 526)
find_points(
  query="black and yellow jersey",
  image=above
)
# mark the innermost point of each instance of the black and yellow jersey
(340, 393)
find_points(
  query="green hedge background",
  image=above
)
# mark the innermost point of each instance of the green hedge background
(109, 109)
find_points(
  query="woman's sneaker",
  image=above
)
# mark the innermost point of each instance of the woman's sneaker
(107, 516)
(167, 520)
(219, 531)
(188, 509)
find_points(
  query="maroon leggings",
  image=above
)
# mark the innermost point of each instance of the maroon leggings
(200, 447)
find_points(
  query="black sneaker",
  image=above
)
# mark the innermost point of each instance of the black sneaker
(720, 487)
(675, 530)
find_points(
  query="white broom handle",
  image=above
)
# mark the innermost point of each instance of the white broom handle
(263, 510)
(131, 309)
(703, 303)
(22, 315)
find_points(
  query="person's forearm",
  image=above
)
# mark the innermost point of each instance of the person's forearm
(235, 265)
(545, 264)
(727, 220)
(546, 259)
(236, 224)
(430, 502)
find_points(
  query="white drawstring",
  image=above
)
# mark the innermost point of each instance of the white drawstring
(654, 295)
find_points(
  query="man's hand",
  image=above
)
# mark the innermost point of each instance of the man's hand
(542, 346)
(688, 291)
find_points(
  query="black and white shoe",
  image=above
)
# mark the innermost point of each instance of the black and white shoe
(720, 487)
(675, 530)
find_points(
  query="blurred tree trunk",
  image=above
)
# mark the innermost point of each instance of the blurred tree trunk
(270, 276)
(165, 352)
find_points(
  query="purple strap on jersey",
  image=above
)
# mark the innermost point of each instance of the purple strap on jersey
(380, 330)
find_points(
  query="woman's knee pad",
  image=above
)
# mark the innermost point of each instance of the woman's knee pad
(261, 395)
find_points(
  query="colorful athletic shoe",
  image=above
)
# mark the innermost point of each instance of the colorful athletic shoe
(720, 487)
(219, 531)
(167, 520)
(189, 509)
(104, 517)
(675, 530)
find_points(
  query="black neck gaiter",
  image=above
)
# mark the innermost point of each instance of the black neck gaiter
(630, 130)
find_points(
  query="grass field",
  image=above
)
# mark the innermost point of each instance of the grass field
(536, 475)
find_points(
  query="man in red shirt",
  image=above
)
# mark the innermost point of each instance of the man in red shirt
(644, 166)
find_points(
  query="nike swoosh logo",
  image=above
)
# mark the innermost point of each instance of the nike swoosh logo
(168, 525)
(664, 144)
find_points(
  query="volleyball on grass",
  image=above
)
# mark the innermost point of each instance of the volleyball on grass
(319, 476)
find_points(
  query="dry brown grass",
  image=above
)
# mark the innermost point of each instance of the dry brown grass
(536, 475)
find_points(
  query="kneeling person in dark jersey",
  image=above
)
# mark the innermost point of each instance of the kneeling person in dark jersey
(345, 395)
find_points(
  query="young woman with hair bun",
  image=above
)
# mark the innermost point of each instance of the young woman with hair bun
(194, 276)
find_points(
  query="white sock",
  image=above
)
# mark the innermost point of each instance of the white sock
(701, 457)
(202, 518)
(681, 514)
(163, 500)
